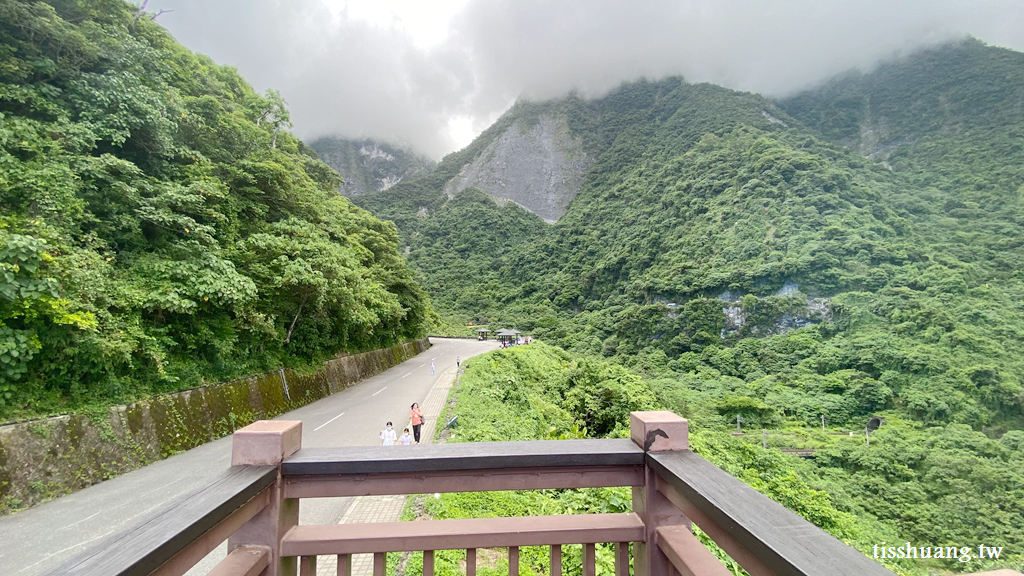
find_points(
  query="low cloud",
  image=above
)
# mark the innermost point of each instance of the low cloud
(345, 75)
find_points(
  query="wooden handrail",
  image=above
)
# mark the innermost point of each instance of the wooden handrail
(485, 480)
(462, 456)
(176, 528)
(687, 554)
(382, 537)
(735, 514)
(243, 561)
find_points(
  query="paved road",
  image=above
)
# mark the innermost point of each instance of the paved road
(41, 537)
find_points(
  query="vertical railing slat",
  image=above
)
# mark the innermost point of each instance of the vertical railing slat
(556, 560)
(513, 561)
(589, 560)
(622, 559)
(344, 565)
(428, 563)
(307, 566)
(471, 562)
(380, 563)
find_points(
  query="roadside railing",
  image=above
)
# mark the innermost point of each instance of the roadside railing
(255, 505)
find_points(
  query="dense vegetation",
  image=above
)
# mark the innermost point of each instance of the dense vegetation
(850, 252)
(160, 227)
(938, 485)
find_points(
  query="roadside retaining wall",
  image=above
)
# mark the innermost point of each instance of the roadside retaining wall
(43, 459)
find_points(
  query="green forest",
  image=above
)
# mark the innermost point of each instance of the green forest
(801, 265)
(161, 227)
(918, 483)
(762, 260)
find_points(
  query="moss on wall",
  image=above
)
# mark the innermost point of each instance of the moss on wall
(44, 459)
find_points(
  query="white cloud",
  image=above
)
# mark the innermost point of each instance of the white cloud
(428, 74)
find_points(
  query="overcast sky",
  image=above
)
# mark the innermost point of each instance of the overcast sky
(432, 74)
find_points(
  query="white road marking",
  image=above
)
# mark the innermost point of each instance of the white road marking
(379, 391)
(82, 520)
(328, 422)
(407, 374)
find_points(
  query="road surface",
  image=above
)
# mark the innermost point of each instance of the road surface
(41, 537)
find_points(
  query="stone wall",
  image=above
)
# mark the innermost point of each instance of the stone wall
(43, 459)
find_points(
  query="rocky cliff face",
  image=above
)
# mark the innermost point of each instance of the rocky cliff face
(370, 166)
(540, 167)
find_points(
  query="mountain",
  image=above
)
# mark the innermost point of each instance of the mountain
(369, 166)
(159, 227)
(715, 225)
(848, 255)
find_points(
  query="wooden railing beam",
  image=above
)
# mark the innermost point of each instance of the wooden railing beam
(424, 458)
(428, 563)
(589, 560)
(196, 550)
(622, 559)
(777, 538)
(243, 561)
(687, 554)
(345, 566)
(178, 532)
(456, 534)
(261, 443)
(725, 541)
(655, 431)
(513, 561)
(484, 480)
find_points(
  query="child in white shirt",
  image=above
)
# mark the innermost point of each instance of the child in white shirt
(406, 438)
(388, 436)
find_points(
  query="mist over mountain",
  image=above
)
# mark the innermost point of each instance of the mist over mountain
(850, 252)
(434, 75)
(369, 166)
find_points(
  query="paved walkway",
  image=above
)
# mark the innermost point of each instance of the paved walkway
(38, 539)
(389, 508)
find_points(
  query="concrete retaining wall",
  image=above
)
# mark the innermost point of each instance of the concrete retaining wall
(44, 459)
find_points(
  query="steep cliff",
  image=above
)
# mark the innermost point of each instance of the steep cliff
(370, 166)
(541, 167)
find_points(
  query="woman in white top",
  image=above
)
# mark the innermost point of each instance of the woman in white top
(406, 438)
(388, 436)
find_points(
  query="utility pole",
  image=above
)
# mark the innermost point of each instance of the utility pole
(738, 424)
(764, 438)
(822, 422)
(867, 436)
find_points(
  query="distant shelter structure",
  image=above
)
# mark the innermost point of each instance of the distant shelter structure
(508, 337)
(481, 333)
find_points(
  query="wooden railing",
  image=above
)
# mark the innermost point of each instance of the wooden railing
(255, 507)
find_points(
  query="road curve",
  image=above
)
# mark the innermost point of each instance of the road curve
(41, 537)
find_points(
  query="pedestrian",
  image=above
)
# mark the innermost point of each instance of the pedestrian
(388, 436)
(457, 362)
(416, 418)
(431, 366)
(406, 439)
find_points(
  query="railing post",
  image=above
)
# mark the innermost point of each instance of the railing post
(656, 432)
(267, 443)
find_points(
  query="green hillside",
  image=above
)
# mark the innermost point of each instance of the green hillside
(160, 227)
(773, 261)
(900, 288)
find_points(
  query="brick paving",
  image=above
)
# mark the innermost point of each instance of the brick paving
(389, 508)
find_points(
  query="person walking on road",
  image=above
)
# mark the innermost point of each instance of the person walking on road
(458, 363)
(406, 439)
(388, 436)
(431, 366)
(416, 417)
